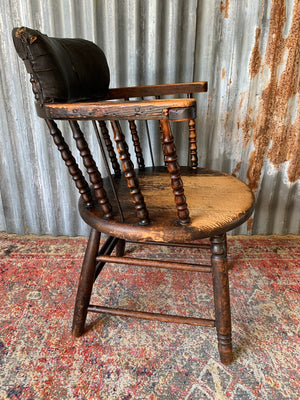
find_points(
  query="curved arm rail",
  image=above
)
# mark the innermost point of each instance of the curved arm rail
(158, 109)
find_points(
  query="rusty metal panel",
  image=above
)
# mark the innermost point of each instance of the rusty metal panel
(248, 122)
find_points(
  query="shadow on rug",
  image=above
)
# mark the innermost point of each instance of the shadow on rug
(124, 359)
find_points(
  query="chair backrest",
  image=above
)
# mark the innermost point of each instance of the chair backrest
(76, 70)
(63, 70)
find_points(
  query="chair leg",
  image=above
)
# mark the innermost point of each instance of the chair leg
(221, 297)
(85, 285)
(120, 248)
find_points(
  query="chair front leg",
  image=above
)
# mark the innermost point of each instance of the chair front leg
(85, 285)
(221, 297)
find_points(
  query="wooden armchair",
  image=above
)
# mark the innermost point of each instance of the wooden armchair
(163, 205)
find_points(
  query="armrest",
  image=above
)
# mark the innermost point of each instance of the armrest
(157, 90)
(159, 109)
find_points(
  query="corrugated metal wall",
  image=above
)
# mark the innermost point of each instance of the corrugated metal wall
(249, 122)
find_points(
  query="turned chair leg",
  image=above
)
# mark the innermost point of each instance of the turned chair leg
(85, 285)
(221, 297)
(120, 248)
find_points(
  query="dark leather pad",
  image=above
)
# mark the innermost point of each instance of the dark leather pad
(66, 70)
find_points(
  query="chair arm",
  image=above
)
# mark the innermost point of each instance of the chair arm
(159, 109)
(157, 90)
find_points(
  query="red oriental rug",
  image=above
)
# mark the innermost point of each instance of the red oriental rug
(121, 358)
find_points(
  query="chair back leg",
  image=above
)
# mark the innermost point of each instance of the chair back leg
(221, 297)
(120, 248)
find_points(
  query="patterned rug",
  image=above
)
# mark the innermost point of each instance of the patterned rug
(121, 358)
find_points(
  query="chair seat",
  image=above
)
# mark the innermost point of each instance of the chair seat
(217, 203)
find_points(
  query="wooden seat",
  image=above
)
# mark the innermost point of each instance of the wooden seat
(164, 205)
(201, 186)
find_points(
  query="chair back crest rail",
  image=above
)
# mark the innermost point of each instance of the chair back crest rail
(64, 92)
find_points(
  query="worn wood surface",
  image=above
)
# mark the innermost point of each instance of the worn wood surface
(217, 203)
(120, 110)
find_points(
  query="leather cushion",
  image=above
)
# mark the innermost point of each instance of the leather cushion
(66, 70)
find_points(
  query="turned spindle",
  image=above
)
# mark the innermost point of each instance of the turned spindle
(70, 162)
(137, 145)
(132, 181)
(92, 170)
(193, 144)
(109, 147)
(174, 170)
